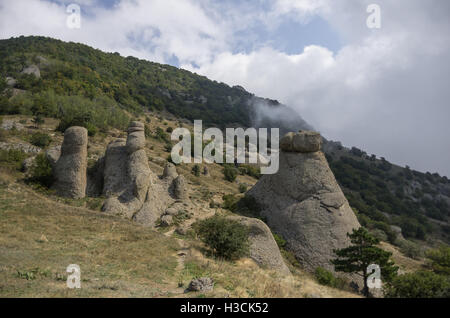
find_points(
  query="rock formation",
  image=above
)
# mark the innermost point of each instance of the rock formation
(170, 171)
(70, 169)
(131, 189)
(263, 248)
(127, 174)
(304, 203)
(179, 188)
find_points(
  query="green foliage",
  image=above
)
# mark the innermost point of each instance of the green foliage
(253, 171)
(421, 284)
(196, 170)
(42, 171)
(363, 252)
(12, 158)
(230, 173)
(440, 260)
(226, 238)
(41, 140)
(242, 188)
(325, 277)
(281, 242)
(230, 202)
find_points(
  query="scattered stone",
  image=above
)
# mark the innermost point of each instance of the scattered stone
(11, 82)
(26, 148)
(43, 239)
(205, 171)
(33, 70)
(8, 124)
(70, 169)
(170, 171)
(166, 220)
(53, 155)
(203, 284)
(182, 230)
(27, 165)
(171, 211)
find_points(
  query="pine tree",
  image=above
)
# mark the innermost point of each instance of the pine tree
(363, 252)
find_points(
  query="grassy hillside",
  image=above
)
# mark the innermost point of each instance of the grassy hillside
(83, 86)
(41, 234)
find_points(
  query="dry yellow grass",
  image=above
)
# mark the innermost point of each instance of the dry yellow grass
(42, 234)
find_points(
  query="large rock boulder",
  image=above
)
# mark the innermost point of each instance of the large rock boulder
(32, 70)
(304, 203)
(126, 173)
(70, 169)
(179, 187)
(170, 171)
(263, 248)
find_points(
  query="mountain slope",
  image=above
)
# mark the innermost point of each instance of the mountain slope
(83, 86)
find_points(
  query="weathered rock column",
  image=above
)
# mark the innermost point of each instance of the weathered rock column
(304, 203)
(70, 169)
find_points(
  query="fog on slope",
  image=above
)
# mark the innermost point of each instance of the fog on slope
(271, 114)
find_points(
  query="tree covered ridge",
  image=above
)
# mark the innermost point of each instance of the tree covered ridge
(134, 85)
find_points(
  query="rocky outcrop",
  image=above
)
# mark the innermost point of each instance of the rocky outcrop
(32, 70)
(70, 169)
(202, 284)
(21, 146)
(126, 174)
(304, 203)
(53, 155)
(130, 188)
(263, 248)
(179, 188)
(170, 171)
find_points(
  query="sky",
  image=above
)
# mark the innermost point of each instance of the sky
(384, 90)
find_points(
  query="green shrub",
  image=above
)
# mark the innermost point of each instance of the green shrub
(169, 130)
(325, 277)
(410, 249)
(41, 140)
(12, 158)
(226, 238)
(230, 173)
(421, 284)
(281, 242)
(3, 135)
(440, 260)
(42, 171)
(242, 188)
(196, 170)
(230, 202)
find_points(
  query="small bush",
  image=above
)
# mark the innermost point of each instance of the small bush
(242, 188)
(3, 135)
(230, 202)
(325, 277)
(226, 238)
(281, 242)
(12, 158)
(169, 130)
(230, 173)
(42, 171)
(196, 170)
(421, 284)
(41, 140)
